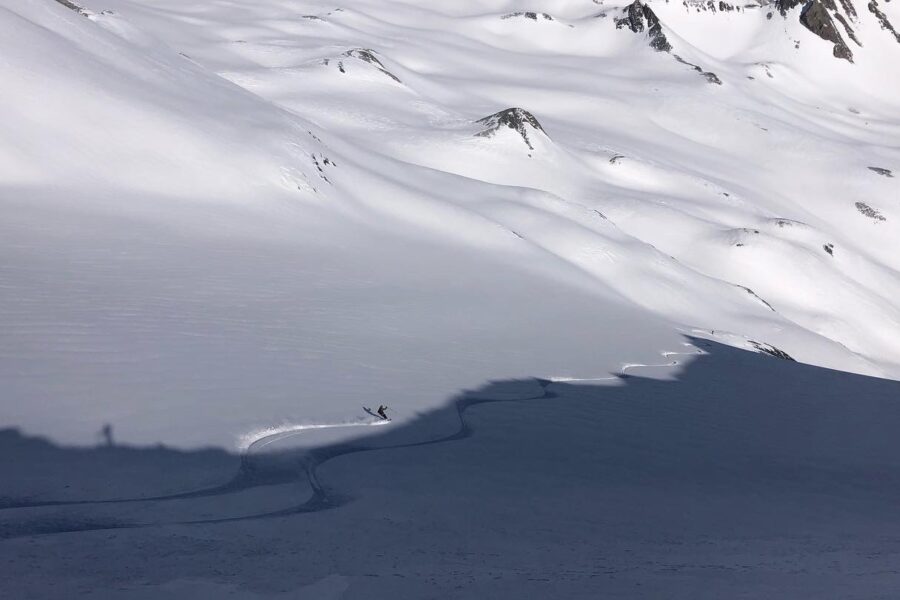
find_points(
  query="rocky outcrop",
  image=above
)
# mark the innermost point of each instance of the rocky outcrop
(73, 6)
(771, 350)
(819, 17)
(848, 7)
(870, 212)
(365, 55)
(528, 15)
(709, 75)
(882, 171)
(883, 19)
(849, 30)
(786, 6)
(757, 298)
(815, 17)
(714, 6)
(639, 17)
(518, 119)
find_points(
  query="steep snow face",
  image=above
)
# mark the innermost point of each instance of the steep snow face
(281, 208)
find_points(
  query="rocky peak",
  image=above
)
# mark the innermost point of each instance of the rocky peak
(366, 55)
(883, 19)
(363, 54)
(638, 17)
(517, 119)
(817, 19)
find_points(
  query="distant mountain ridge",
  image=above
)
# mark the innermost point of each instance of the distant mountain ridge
(835, 22)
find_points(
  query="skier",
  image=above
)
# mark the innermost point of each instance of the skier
(381, 411)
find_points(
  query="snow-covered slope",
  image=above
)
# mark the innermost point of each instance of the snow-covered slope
(306, 204)
(234, 224)
(175, 245)
(739, 476)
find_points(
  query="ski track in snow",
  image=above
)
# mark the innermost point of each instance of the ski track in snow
(256, 440)
(625, 367)
(251, 474)
(178, 238)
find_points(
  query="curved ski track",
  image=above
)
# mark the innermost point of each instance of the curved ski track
(251, 475)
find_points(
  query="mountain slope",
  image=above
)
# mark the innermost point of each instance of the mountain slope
(580, 248)
(240, 201)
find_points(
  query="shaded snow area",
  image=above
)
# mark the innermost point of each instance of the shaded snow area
(733, 475)
(626, 275)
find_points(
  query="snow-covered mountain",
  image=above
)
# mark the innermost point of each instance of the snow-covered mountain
(207, 200)
(232, 224)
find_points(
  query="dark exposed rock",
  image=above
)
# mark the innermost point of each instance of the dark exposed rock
(73, 6)
(365, 55)
(322, 161)
(709, 75)
(829, 248)
(870, 212)
(883, 19)
(639, 17)
(786, 6)
(755, 295)
(849, 9)
(771, 350)
(881, 171)
(713, 6)
(815, 17)
(789, 223)
(528, 15)
(517, 119)
(850, 33)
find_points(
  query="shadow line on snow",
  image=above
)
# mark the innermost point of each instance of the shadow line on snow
(254, 471)
(684, 419)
